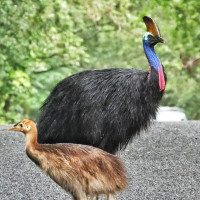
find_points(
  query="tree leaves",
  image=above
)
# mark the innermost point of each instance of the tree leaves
(42, 42)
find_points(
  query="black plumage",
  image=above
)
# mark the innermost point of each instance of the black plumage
(102, 108)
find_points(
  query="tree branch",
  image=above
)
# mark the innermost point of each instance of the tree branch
(49, 69)
(191, 63)
(93, 25)
(47, 57)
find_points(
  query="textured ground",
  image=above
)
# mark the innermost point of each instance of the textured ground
(162, 163)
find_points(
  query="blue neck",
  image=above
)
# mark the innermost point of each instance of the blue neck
(151, 55)
(154, 62)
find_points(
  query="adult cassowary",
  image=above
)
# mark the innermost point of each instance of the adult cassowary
(105, 108)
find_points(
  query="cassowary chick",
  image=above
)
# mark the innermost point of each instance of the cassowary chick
(81, 170)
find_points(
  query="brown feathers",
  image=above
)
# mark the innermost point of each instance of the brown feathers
(151, 26)
(81, 170)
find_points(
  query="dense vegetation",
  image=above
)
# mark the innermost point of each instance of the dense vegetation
(44, 41)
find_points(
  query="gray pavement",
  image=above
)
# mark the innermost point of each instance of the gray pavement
(163, 163)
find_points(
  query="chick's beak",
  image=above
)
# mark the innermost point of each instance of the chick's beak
(16, 127)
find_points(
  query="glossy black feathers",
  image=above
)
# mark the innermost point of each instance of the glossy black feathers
(102, 108)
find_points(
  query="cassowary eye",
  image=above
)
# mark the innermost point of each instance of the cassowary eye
(150, 36)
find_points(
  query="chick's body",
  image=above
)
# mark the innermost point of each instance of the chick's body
(81, 170)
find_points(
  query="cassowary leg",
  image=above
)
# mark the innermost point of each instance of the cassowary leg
(80, 197)
(94, 197)
(106, 144)
(111, 197)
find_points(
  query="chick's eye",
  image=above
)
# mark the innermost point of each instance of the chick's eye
(21, 125)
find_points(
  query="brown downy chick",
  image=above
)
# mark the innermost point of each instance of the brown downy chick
(81, 170)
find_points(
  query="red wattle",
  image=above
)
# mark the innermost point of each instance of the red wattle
(161, 78)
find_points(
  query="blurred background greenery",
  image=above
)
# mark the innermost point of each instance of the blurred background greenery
(44, 41)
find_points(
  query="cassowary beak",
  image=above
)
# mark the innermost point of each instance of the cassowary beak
(159, 39)
(154, 40)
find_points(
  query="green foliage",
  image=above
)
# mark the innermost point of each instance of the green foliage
(43, 42)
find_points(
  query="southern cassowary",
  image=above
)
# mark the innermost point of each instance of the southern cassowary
(105, 108)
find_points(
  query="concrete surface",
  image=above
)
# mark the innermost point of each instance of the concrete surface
(163, 163)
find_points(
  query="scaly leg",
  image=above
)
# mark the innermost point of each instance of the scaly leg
(94, 197)
(80, 197)
(111, 197)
